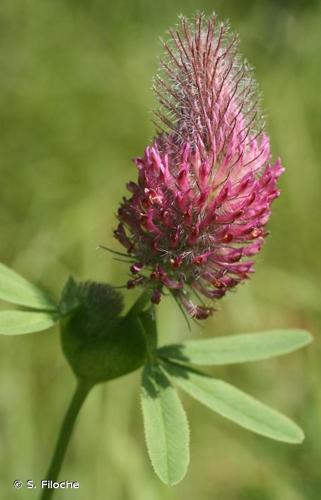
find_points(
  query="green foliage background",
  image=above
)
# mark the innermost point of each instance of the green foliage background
(75, 106)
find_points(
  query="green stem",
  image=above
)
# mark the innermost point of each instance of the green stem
(76, 403)
(140, 303)
(148, 322)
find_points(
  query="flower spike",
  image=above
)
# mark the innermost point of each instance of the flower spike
(197, 213)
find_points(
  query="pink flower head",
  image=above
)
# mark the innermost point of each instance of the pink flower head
(197, 214)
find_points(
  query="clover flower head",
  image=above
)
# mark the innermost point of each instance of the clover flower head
(197, 214)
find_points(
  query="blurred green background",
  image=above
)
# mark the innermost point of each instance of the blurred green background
(75, 106)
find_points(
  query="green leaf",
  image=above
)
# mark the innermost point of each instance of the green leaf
(166, 427)
(18, 322)
(237, 348)
(235, 405)
(17, 290)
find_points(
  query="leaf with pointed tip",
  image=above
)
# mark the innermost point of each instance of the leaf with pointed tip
(237, 348)
(19, 322)
(236, 405)
(15, 289)
(166, 427)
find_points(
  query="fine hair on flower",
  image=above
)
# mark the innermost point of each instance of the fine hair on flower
(198, 211)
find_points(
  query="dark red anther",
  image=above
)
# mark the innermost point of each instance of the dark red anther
(227, 238)
(132, 187)
(154, 198)
(229, 256)
(136, 281)
(154, 275)
(156, 296)
(155, 245)
(174, 239)
(137, 267)
(145, 202)
(131, 248)
(217, 283)
(188, 217)
(194, 234)
(176, 261)
(121, 212)
(256, 232)
(202, 312)
(166, 218)
(200, 259)
(150, 224)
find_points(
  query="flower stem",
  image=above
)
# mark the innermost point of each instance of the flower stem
(140, 303)
(80, 394)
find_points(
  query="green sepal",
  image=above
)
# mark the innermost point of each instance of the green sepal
(70, 297)
(93, 297)
(117, 351)
(98, 343)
